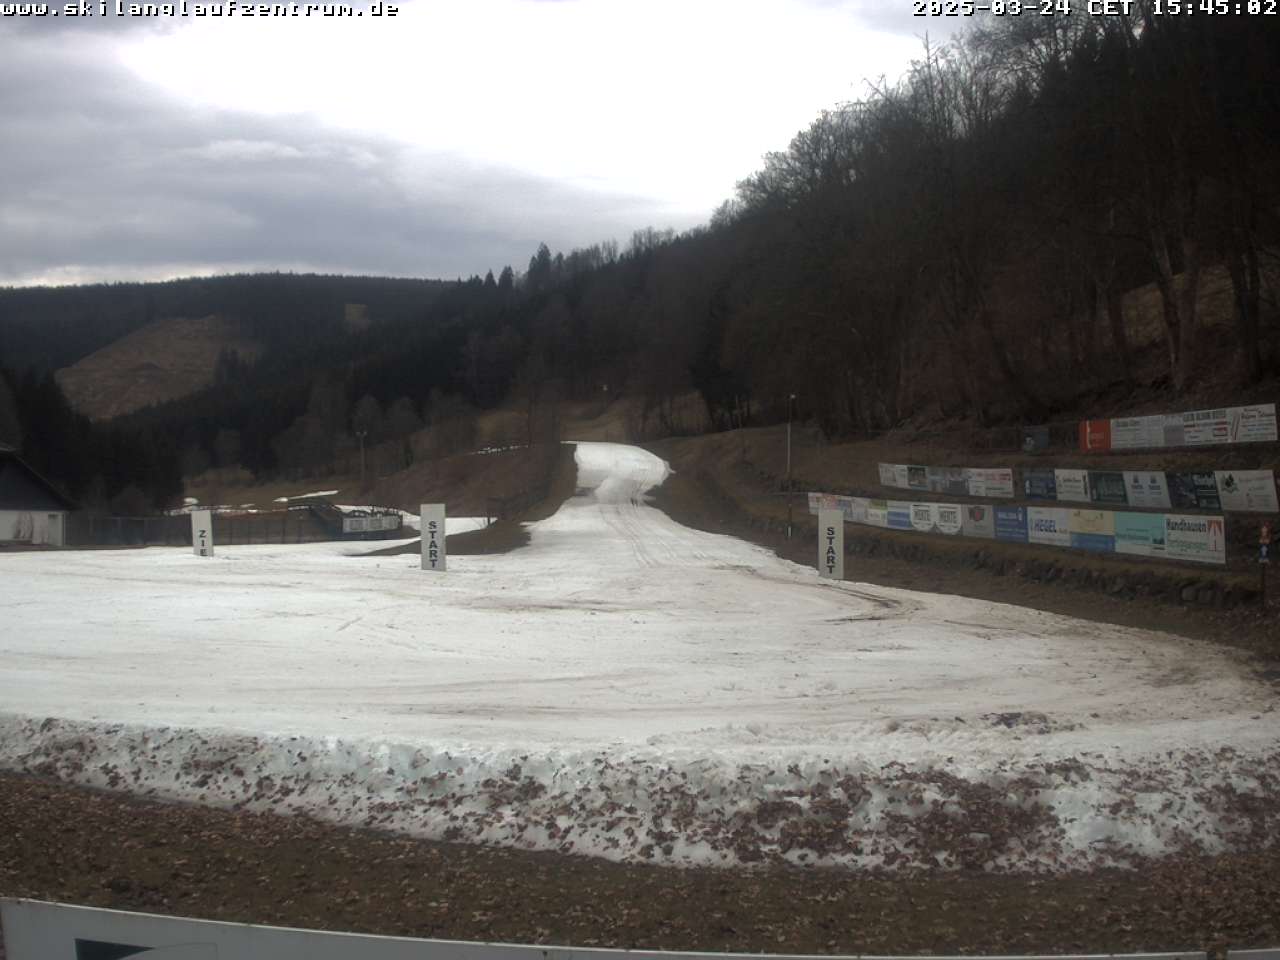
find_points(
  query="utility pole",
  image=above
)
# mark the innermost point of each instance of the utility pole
(361, 434)
(791, 401)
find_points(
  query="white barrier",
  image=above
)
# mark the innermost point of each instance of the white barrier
(52, 931)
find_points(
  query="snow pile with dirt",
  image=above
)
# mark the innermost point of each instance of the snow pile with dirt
(630, 688)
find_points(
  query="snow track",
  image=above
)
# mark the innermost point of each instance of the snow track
(628, 687)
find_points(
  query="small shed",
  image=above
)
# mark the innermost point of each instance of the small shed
(31, 508)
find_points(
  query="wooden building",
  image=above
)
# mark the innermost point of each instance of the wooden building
(31, 509)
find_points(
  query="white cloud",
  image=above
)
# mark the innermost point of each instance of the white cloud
(444, 142)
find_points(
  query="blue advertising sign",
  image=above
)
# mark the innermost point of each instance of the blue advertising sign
(899, 515)
(1011, 523)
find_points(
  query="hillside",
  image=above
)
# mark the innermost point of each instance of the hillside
(162, 361)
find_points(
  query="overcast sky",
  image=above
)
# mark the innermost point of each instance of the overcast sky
(445, 141)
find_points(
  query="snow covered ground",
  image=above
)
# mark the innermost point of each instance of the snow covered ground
(631, 688)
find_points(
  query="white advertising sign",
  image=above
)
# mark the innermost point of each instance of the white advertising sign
(831, 544)
(1206, 427)
(924, 518)
(1049, 525)
(877, 513)
(855, 509)
(202, 533)
(1255, 424)
(949, 518)
(1147, 488)
(1247, 491)
(1073, 485)
(990, 482)
(978, 521)
(434, 554)
(53, 931)
(1137, 433)
(1198, 539)
(888, 477)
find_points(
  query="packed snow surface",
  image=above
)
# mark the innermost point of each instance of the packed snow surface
(628, 687)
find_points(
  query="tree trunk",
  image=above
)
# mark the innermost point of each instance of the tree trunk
(1114, 301)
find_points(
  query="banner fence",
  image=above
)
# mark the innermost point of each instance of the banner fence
(1188, 537)
(1231, 491)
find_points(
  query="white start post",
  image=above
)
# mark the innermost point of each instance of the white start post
(433, 542)
(831, 544)
(202, 532)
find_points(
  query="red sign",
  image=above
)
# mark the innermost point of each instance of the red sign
(1095, 435)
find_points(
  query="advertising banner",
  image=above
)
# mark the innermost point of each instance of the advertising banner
(990, 482)
(831, 544)
(1247, 491)
(434, 550)
(887, 475)
(823, 501)
(1198, 539)
(899, 515)
(1107, 487)
(1137, 433)
(1193, 491)
(948, 518)
(1073, 485)
(901, 476)
(1147, 489)
(1011, 524)
(917, 478)
(878, 513)
(1049, 525)
(978, 521)
(957, 482)
(202, 533)
(1035, 439)
(1093, 530)
(1040, 484)
(854, 509)
(1255, 424)
(1140, 534)
(1095, 435)
(935, 479)
(923, 517)
(1206, 427)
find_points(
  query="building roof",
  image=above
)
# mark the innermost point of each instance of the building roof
(22, 488)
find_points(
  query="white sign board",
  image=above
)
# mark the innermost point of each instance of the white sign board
(49, 931)
(990, 482)
(1247, 491)
(1049, 525)
(434, 555)
(1147, 488)
(831, 544)
(202, 532)
(1195, 538)
(1256, 424)
(1073, 485)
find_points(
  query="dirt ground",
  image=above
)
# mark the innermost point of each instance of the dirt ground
(75, 845)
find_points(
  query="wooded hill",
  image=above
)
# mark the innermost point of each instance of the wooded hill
(957, 244)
